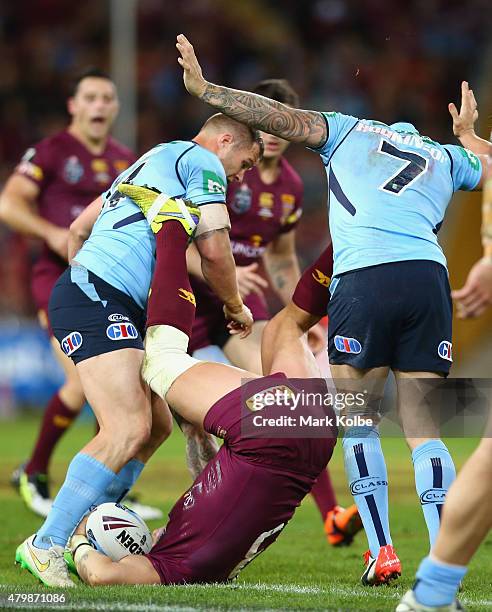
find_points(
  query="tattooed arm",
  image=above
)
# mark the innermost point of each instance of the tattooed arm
(96, 569)
(295, 125)
(281, 263)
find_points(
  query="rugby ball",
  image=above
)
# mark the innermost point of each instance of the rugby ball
(117, 531)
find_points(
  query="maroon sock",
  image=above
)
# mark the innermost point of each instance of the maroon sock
(57, 419)
(324, 493)
(171, 300)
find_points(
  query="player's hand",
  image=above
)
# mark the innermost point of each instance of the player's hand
(248, 280)
(57, 241)
(317, 338)
(81, 526)
(192, 72)
(465, 119)
(476, 295)
(240, 320)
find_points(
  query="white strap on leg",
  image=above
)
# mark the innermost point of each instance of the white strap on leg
(156, 206)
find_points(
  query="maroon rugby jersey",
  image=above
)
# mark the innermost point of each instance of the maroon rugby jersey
(311, 293)
(260, 212)
(69, 177)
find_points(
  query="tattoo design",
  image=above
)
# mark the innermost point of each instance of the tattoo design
(82, 568)
(268, 115)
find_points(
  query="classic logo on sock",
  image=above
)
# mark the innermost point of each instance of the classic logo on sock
(445, 350)
(347, 345)
(71, 343)
(42, 567)
(433, 496)
(122, 331)
(366, 485)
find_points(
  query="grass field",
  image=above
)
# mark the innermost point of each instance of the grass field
(300, 571)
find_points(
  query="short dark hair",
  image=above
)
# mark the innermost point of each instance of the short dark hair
(278, 89)
(243, 132)
(90, 72)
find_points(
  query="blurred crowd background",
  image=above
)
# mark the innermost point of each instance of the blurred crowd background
(384, 59)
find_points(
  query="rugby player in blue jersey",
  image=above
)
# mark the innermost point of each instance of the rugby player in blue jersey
(97, 313)
(390, 306)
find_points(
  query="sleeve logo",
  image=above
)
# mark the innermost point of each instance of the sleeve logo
(471, 157)
(213, 183)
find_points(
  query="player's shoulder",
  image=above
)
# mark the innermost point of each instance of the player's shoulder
(290, 174)
(118, 149)
(52, 143)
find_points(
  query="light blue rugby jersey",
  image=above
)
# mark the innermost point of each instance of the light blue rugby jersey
(121, 247)
(388, 190)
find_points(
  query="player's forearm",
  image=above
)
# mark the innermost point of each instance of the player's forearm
(19, 216)
(220, 274)
(487, 219)
(477, 145)
(92, 566)
(194, 262)
(284, 274)
(267, 115)
(219, 268)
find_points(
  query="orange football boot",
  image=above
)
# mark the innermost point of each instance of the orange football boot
(342, 524)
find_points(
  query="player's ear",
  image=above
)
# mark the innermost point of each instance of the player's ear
(71, 106)
(226, 138)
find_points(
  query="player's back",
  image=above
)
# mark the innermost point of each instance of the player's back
(121, 247)
(389, 188)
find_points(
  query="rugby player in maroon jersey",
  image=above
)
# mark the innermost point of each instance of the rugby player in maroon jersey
(53, 183)
(264, 208)
(245, 496)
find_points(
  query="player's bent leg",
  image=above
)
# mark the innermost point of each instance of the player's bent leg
(121, 402)
(433, 465)
(246, 353)
(32, 478)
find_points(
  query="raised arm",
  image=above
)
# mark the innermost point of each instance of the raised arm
(295, 125)
(464, 122)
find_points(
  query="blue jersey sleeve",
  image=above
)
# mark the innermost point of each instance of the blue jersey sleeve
(338, 126)
(466, 168)
(202, 176)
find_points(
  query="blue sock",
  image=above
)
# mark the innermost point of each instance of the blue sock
(437, 582)
(122, 482)
(368, 481)
(434, 473)
(86, 479)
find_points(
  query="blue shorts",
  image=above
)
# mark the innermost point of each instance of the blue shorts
(90, 317)
(397, 314)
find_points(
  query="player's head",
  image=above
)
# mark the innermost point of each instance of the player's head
(93, 104)
(281, 91)
(238, 146)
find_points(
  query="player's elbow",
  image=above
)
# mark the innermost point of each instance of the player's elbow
(77, 231)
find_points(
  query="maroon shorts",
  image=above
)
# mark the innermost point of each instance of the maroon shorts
(210, 326)
(240, 502)
(44, 276)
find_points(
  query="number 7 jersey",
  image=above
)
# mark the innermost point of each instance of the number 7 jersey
(388, 190)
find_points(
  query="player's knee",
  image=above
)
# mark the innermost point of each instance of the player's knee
(72, 395)
(138, 436)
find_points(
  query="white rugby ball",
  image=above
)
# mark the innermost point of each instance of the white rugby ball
(117, 531)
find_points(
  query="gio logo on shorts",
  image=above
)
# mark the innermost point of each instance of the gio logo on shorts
(445, 350)
(71, 343)
(347, 345)
(122, 331)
